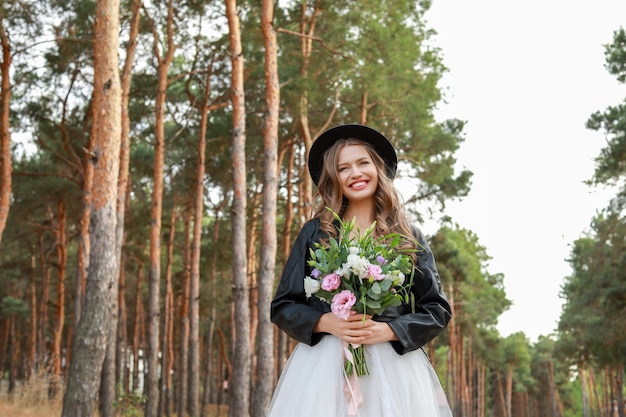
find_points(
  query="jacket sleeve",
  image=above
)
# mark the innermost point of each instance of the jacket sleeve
(431, 312)
(290, 310)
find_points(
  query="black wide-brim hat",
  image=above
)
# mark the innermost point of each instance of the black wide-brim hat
(381, 144)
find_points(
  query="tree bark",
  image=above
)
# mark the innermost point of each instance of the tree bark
(137, 327)
(59, 321)
(265, 333)
(194, 289)
(183, 369)
(239, 388)
(93, 330)
(553, 392)
(252, 266)
(619, 389)
(32, 352)
(167, 357)
(509, 389)
(121, 344)
(584, 389)
(152, 383)
(83, 236)
(113, 362)
(4, 343)
(209, 385)
(13, 355)
(6, 167)
(307, 28)
(43, 304)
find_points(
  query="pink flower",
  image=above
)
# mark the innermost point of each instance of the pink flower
(343, 303)
(375, 272)
(331, 282)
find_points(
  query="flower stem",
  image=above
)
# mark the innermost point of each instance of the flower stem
(360, 364)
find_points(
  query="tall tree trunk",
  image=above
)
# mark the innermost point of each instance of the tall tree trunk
(92, 334)
(283, 339)
(462, 363)
(265, 333)
(13, 355)
(183, 369)
(619, 389)
(152, 384)
(500, 400)
(194, 289)
(137, 328)
(4, 343)
(83, 235)
(607, 395)
(481, 392)
(452, 355)
(239, 388)
(5, 133)
(584, 389)
(223, 383)
(43, 304)
(553, 393)
(209, 386)
(32, 352)
(509, 389)
(252, 266)
(593, 389)
(307, 29)
(166, 345)
(113, 360)
(121, 344)
(59, 322)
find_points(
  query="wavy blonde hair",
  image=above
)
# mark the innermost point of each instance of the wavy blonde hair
(388, 211)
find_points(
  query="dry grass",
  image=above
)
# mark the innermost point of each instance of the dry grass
(31, 400)
(14, 410)
(54, 409)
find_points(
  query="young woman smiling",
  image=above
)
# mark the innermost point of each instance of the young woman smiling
(353, 167)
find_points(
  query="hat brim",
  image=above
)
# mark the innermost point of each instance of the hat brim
(380, 143)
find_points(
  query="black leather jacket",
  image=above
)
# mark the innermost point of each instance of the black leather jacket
(296, 315)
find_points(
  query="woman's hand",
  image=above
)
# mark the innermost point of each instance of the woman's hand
(357, 329)
(353, 330)
(380, 332)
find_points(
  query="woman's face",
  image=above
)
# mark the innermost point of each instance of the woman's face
(357, 173)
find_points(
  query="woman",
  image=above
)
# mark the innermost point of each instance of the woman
(353, 167)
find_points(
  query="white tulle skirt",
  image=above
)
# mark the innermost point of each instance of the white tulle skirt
(314, 384)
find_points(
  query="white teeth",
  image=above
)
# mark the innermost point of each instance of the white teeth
(358, 184)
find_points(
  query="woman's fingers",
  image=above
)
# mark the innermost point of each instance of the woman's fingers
(354, 316)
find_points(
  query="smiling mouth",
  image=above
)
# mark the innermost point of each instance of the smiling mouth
(358, 184)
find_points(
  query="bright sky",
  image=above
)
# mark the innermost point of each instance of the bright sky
(526, 75)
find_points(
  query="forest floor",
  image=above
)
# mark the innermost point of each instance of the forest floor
(12, 408)
(32, 401)
(21, 405)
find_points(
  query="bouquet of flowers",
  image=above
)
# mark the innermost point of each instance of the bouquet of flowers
(364, 273)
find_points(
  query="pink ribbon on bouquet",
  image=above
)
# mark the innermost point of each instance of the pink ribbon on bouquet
(351, 389)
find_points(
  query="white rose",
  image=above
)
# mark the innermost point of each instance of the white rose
(311, 286)
(344, 271)
(397, 277)
(358, 265)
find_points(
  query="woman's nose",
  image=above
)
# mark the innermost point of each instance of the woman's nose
(355, 172)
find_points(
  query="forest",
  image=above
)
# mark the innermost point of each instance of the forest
(153, 179)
